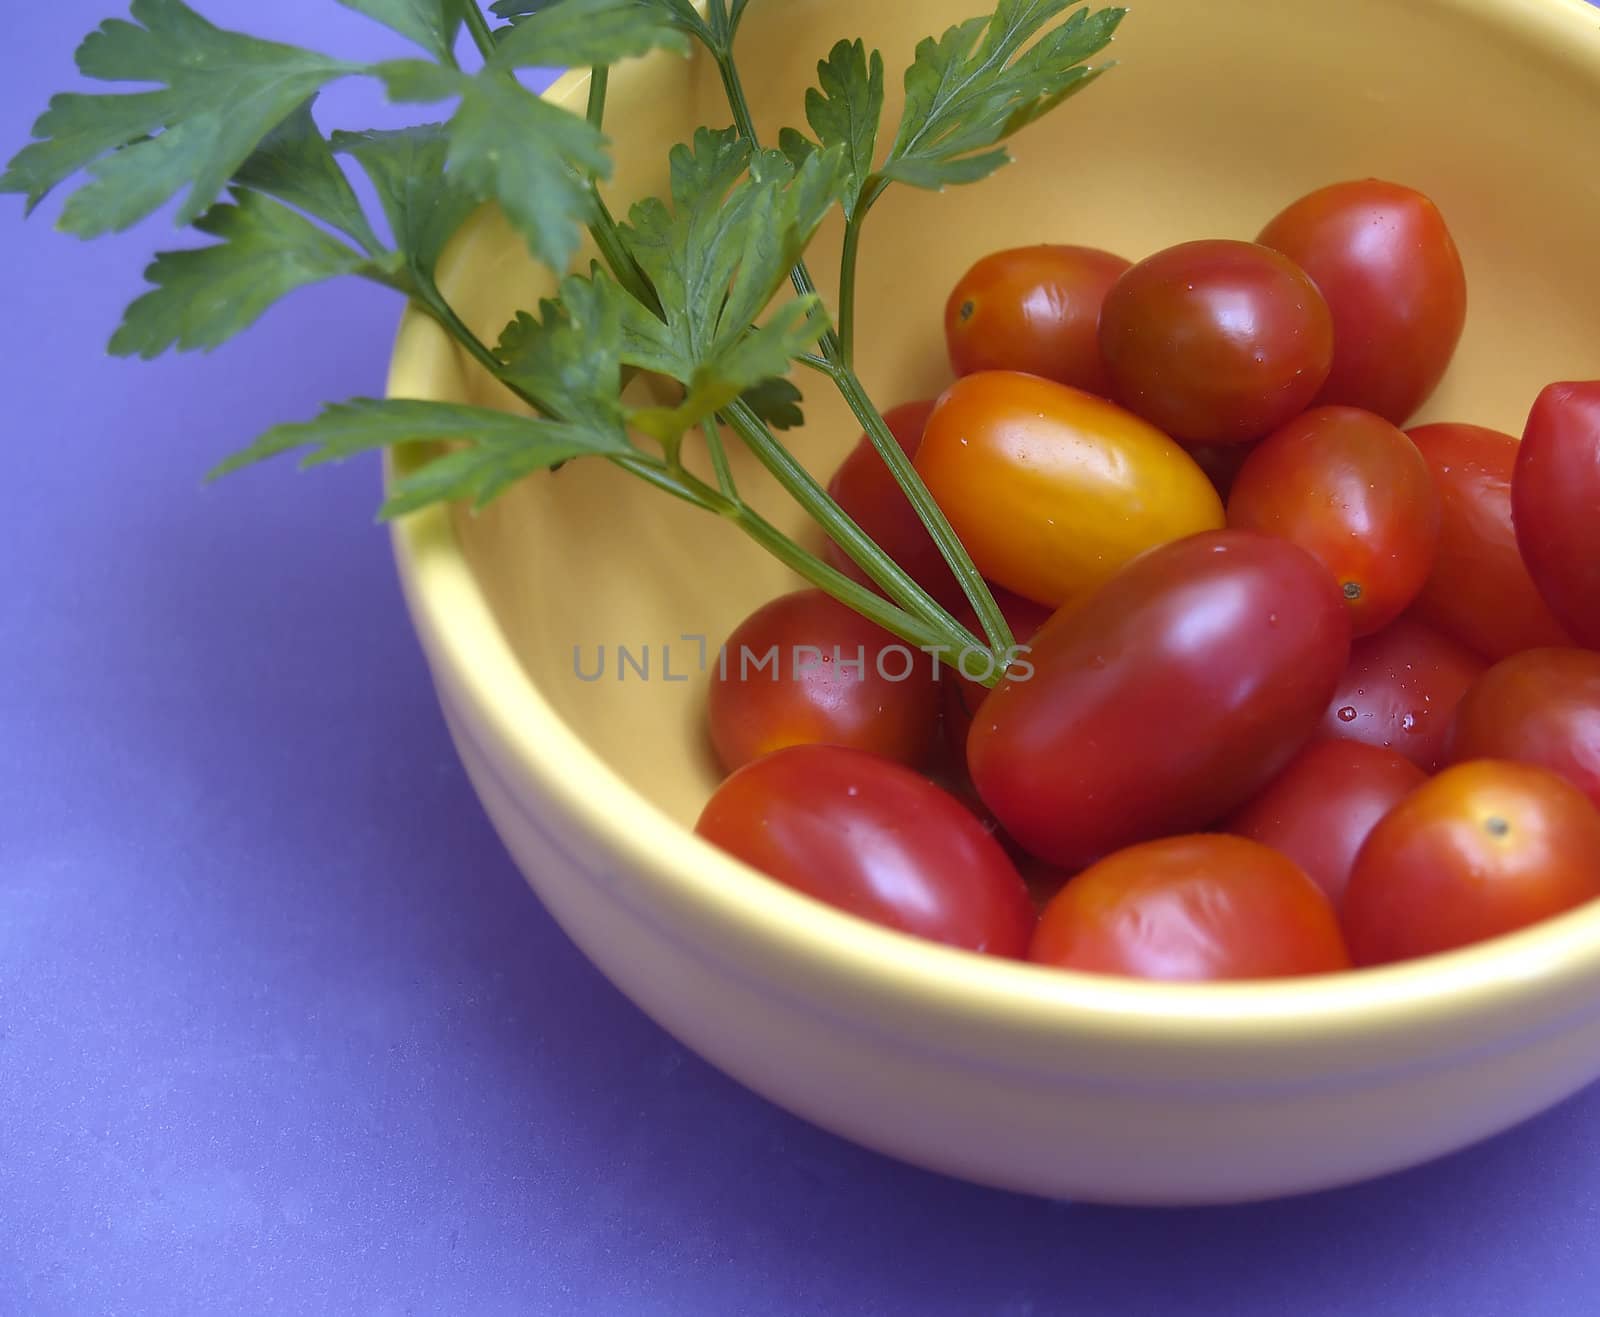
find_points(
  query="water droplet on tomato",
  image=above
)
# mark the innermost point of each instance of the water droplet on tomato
(1347, 714)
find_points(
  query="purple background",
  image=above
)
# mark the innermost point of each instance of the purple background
(281, 1028)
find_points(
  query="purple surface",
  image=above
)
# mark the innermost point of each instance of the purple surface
(281, 1028)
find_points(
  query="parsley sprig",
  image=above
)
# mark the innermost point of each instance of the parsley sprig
(687, 288)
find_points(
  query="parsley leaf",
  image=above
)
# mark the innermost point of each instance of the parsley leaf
(223, 92)
(569, 357)
(509, 145)
(966, 93)
(845, 111)
(432, 24)
(679, 13)
(425, 205)
(496, 448)
(962, 103)
(206, 295)
(777, 402)
(738, 221)
(295, 164)
(578, 32)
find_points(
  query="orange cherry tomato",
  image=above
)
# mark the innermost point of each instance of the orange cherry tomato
(1485, 848)
(1189, 909)
(1051, 489)
(1354, 493)
(1033, 309)
(1480, 592)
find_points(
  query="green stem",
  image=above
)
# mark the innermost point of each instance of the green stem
(926, 625)
(482, 37)
(847, 291)
(955, 553)
(603, 227)
(840, 527)
(599, 80)
(719, 456)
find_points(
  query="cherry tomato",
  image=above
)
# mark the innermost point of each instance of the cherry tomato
(1033, 309)
(1485, 848)
(1352, 491)
(1384, 260)
(1220, 462)
(1538, 707)
(1167, 699)
(806, 669)
(1480, 592)
(871, 837)
(865, 488)
(1216, 342)
(1192, 909)
(1401, 690)
(1555, 499)
(1320, 809)
(963, 694)
(1052, 489)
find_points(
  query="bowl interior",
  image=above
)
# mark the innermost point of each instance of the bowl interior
(1217, 116)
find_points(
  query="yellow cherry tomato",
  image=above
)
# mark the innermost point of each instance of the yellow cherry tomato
(1051, 489)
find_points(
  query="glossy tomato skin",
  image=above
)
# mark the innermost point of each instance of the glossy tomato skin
(1320, 809)
(1354, 492)
(866, 489)
(1386, 263)
(1165, 701)
(1485, 848)
(1033, 309)
(873, 838)
(1052, 489)
(805, 669)
(1192, 909)
(1217, 341)
(1480, 592)
(963, 694)
(1400, 691)
(1555, 501)
(1538, 707)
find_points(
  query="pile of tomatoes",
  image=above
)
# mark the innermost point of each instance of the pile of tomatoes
(1296, 689)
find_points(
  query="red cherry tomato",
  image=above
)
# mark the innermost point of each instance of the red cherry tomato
(963, 695)
(1052, 489)
(1480, 593)
(866, 489)
(1384, 260)
(1216, 342)
(873, 838)
(1320, 809)
(1485, 848)
(805, 669)
(1354, 492)
(1538, 707)
(1192, 909)
(1555, 499)
(1168, 698)
(1033, 309)
(1401, 690)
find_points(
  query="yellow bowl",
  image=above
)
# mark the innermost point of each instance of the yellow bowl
(1053, 1083)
